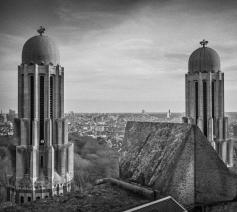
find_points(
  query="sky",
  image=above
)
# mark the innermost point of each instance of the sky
(121, 55)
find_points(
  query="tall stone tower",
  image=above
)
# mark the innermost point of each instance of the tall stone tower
(44, 157)
(204, 98)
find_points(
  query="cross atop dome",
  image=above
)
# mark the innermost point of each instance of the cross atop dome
(41, 30)
(204, 43)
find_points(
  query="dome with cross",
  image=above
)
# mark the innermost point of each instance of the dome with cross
(40, 50)
(204, 59)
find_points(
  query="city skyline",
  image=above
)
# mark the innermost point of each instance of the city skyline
(121, 56)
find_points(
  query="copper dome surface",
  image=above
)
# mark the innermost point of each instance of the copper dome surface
(204, 59)
(40, 49)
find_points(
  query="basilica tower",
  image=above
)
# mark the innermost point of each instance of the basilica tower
(44, 157)
(204, 98)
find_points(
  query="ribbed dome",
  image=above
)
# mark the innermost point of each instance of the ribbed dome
(204, 59)
(40, 50)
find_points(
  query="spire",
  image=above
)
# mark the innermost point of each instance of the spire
(204, 43)
(41, 30)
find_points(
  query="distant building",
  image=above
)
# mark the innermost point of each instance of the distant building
(3, 117)
(44, 157)
(168, 114)
(11, 115)
(204, 87)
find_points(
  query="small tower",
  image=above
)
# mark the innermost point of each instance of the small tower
(234, 140)
(44, 157)
(204, 98)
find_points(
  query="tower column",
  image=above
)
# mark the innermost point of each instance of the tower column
(56, 92)
(20, 94)
(62, 93)
(200, 102)
(230, 152)
(65, 131)
(222, 95)
(50, 164)
(224, 151)
(48, 124)
(33, 165)
(209, 110)
(35, 134)
(36, 93)
(62, 161)
(187, 95)
(47, 93)
(217, 97)
(59, 131)
(71, 159)
(26, 93)
(192, 99)
(209, 95)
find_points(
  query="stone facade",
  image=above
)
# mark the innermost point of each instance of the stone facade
(44, 157)
(204, 86)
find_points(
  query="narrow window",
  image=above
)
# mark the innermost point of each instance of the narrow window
(41, 162)
(213, 99)
(67, 152)
(213, 105)
(32, 97)
(51, 97)
(59, 96)
(22, 95)
(29, 199)
(196, 101)
(205, 108)
(41, 107)
(22, 199)
(31, 106)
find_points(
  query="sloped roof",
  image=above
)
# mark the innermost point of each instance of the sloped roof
(167, 204)
(177, 160)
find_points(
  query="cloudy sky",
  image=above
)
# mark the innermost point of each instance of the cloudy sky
(121, 55)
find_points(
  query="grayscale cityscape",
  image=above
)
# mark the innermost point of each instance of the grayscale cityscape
(118, 106)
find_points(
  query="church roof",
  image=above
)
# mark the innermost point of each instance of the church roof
(177, 160)
(40, 49)
(204, 59)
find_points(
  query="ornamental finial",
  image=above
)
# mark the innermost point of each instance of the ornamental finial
(41, 30)
(204, 43)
